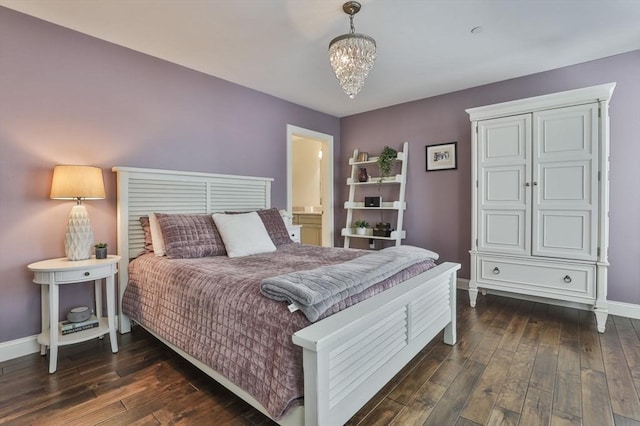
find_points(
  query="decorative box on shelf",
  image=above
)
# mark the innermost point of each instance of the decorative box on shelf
(372, 201)
(382, 230)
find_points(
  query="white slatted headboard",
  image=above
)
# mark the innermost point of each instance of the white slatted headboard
(144, 191)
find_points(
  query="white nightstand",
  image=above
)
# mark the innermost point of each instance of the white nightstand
(55, 272)
(294, 232)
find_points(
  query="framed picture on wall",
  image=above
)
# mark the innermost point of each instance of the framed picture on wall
(442, 156)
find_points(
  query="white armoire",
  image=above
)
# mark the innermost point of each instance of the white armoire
(540, 197)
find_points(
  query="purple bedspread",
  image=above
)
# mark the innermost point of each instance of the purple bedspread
(212, 309)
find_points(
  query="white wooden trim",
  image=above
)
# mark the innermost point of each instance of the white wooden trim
(391, 327)
(328, 202)
(185, 174)
(622, 309)
(19, 347)
(601, 92)
(462, 284)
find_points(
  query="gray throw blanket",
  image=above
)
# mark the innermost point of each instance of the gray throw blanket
(314, 291)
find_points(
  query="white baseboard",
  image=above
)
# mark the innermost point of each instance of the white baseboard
(621, 309)
(462, 284)
(19, 347)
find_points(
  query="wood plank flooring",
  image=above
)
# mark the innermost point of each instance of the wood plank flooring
(515, 363)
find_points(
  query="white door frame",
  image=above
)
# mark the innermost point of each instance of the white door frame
(328, 202)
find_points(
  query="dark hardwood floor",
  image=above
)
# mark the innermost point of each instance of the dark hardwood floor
(516, 362)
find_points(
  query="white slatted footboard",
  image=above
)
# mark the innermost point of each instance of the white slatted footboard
(351, 355)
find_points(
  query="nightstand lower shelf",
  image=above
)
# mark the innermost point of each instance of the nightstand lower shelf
(44, 338)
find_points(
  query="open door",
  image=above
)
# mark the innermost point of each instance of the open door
(310, 184)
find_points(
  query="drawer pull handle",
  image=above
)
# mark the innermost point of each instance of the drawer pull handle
(496, 270)
(86, 274)
(567, 279)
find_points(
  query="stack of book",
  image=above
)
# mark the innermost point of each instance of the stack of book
(67, 327)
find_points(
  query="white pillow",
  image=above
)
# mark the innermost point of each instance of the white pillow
(156, 236)
(243, 234)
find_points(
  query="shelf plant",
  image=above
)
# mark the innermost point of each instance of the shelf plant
(361, 226)
(385, 161)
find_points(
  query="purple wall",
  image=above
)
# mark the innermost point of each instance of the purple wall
(67, 98)
(438, 203)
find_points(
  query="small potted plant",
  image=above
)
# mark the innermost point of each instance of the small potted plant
(385, 161)
(101, 250)
(361, 227)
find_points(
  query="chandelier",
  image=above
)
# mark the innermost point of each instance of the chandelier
(352, 55)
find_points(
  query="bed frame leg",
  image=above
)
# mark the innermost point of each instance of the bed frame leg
(124, 324)
(450, 337)
(450, 334)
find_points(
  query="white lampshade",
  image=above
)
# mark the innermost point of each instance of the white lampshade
(78, 183)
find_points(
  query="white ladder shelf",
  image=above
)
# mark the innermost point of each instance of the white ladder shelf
(398, 205)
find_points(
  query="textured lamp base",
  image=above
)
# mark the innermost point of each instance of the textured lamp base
(79, 238)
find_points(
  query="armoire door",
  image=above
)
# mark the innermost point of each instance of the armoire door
(565, 182)
(504, 169)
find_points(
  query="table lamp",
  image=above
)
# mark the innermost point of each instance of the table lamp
(77, 183)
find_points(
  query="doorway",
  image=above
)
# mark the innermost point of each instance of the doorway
(310, 184)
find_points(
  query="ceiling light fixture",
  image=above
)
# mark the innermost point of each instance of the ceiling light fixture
(352, 55)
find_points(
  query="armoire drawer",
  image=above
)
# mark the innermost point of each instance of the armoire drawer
(538, 278)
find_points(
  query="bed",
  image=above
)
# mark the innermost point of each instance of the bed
(347, 356)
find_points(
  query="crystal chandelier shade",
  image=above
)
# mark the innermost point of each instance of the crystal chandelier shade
(352, 55)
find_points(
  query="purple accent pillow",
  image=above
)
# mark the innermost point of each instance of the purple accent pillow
(274, 224)
(146, 228)
(190, 235)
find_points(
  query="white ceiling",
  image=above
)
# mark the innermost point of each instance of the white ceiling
(425, 47)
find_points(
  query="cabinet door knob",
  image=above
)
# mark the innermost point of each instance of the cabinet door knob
(527, 184)
(567, 279)
(86, 274)
(496, 270)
